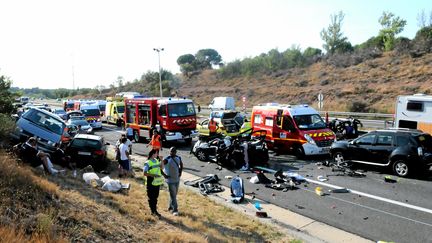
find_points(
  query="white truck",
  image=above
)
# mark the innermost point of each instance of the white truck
(414, 111)
(222, 103)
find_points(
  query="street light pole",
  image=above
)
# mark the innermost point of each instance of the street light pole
(160, 75)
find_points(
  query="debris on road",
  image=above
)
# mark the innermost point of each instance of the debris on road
(340, 190)
(389, 179)
(322, 178)
(319, 191)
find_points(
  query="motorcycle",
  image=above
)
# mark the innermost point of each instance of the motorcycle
(229, 151)
(345, 128)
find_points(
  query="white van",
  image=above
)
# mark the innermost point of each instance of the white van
(222, 103)
(414, 111)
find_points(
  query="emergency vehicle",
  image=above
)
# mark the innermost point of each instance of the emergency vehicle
(68, 105)
(295, 128)
(92, 114)
(174, 118)
(114, 110)
(414, 111)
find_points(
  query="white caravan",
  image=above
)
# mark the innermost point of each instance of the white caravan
(414, 111)
(222, 103)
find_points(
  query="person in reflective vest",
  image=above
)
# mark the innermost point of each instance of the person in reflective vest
(153, 170)
(156, 141)
(212, 127)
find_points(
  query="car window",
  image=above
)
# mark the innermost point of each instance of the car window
(46, 121)
(385, 140)
(86, 143)
(366, 140)
(402, 140)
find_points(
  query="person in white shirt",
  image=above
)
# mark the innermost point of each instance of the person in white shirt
(124, 157)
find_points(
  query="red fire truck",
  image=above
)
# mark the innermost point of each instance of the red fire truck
(296, 128)
(174, 118)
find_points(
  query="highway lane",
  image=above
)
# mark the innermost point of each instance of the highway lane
(376, 219)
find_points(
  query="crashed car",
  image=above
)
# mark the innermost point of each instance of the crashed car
(229, 123)
(85, 149)
(405, 151)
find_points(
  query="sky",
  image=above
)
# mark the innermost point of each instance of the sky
(84, 43)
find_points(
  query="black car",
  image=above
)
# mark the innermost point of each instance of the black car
(403, 150)
(85, 149)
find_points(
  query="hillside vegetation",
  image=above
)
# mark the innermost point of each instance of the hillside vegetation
(372, 85)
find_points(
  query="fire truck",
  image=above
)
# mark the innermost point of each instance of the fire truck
(174, 118)
(295, 128)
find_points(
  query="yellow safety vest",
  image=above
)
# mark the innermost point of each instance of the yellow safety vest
(154, 168)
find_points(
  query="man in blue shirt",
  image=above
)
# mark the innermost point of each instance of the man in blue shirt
(173, 166)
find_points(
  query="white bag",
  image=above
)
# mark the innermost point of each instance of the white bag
(254, 180)
(91, 176)
(112, 185)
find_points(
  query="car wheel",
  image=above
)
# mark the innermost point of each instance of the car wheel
(401, 168)
(299, 152)
(201, 155)
(338, 157)
(136, 136)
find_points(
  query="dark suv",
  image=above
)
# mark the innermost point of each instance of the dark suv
(87, 149)
(403, 150)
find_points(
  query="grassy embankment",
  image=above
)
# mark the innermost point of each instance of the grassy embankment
(35, 207)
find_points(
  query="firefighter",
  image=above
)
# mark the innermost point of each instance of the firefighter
(156, 142)
(213, 127)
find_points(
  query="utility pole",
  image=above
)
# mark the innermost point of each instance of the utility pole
(158, 50)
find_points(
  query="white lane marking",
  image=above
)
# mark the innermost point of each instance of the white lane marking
(374, 209)
(426, 210)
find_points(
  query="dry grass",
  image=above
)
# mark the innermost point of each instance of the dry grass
(61, 208)
(385, 77)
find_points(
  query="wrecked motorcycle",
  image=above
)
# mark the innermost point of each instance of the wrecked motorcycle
(345, 128)
(229, 151)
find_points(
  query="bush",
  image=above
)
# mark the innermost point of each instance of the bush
(7, 124)
(358, 106)
(402, 45)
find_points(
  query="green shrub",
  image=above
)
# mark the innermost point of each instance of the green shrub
(358, 106)
(7, 124)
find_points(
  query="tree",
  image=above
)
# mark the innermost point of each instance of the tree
(6, 97)
(391, 26)
(206, 58)
(120, 81)
(186, 63)
(333, 38)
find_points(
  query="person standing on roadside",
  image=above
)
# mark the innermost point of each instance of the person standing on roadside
(153, 170)
(156, 142)
(124, 157)
(173, 167)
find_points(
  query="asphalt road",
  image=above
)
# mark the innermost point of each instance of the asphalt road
(374, 209)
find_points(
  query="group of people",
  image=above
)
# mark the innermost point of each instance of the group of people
(30, 153)
(156, 169)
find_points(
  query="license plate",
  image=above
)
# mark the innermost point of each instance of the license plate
(84, 153)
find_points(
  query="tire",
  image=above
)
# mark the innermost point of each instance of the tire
(136, 137)
(339, 158)
(401, 168)
(201, 155)
(299, 151)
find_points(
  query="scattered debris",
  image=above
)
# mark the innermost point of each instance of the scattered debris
(254, 180)
(228, 177)
(322, 178)
(318, 191)
(299, 207)
(389, 179)
(318, 163)
(258, 205)
(208, 184)
(365, 218)
(261, 214)
(340, 190)
(320, 167)
(333, 206)
(219, 167)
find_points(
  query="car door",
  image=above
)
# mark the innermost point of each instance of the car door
(203, 128)
(382, 148)
(360, 148)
